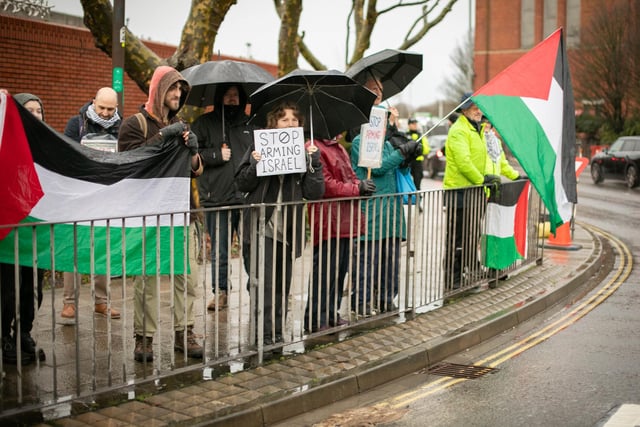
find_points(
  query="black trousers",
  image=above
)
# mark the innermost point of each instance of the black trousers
(26, 295)
(330, 265)
(277, 283)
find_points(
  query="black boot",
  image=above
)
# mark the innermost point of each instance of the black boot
(29, 347)
(10, 353)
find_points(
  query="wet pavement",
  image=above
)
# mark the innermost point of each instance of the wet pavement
(332, 367)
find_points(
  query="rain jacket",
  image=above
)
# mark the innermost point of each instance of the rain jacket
(264, 189)
(132, 135)
(386, 210)
(466, 155)
(216, 185)
(339, 181)
(81, 125)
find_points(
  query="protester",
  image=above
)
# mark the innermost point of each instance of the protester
(224, 136)
(379, 252)
(157, 121)
(416, 165)
(280, 245)
(29, 351)
(468, 164)
(98, 118)
(334, 226)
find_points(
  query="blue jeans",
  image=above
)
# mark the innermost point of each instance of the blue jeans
(221, 225)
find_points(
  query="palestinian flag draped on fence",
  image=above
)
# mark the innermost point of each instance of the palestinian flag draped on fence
(531, 105)
(505, 238)
(94, 198)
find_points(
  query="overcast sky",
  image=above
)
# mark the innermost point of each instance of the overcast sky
(251, 29)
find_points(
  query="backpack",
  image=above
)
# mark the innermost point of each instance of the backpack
(142, 121)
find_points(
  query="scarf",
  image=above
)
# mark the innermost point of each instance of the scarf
(104, 123)
(493, 146)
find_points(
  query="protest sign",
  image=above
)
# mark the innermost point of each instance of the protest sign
(282, 151)
(372, 138)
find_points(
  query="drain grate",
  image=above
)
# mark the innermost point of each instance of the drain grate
(460, 371)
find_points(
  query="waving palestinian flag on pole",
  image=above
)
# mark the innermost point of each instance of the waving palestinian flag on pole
(531, 105)
(116, 207)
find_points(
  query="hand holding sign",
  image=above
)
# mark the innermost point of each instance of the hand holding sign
(281, 151)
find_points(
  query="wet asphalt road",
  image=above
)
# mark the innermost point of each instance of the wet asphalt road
(577, 377)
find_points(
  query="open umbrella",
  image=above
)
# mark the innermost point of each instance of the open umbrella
(394, 68)
(334, 101)
(206, 77)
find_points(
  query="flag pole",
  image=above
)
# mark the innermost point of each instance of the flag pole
(442, 119)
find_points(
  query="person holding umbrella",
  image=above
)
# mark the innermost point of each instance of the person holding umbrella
(280, 244)
(379, 252)
(334, 225)
(224, 136)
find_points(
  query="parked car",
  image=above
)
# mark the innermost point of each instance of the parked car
(435, 161)
(620, 161)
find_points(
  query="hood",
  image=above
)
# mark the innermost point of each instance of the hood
(163, 78)
(23, 98)
(231, 112)
(82, 111)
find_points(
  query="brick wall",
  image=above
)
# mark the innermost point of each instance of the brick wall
(61, 65)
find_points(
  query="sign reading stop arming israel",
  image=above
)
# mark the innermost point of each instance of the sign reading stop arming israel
(372, 138)
(282, 151)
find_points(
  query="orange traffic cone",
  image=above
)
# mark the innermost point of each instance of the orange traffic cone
(562, 239)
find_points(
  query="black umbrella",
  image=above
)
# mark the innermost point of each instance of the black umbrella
(334, 101)
(394, 68)
(206, 77)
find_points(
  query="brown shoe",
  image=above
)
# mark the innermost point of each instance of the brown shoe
(193, 348)
(144, 349)
(68, 311)
(219, 303)
(102, 309)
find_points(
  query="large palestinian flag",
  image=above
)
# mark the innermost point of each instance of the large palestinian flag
(113, 207)
(531, 105)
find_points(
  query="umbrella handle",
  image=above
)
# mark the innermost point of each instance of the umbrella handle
(368, 173)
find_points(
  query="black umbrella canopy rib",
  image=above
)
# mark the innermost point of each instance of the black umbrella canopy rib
(395, 69)
(205, 79)
(332, 101)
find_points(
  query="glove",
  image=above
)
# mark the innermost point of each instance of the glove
(192, 143)
(491, 180)
(169, 132)
(409, 149)
(367, 187)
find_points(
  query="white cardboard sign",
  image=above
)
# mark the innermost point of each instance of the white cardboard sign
(282, 151)
(372, 136)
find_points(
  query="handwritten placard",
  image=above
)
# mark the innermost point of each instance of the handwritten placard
(282, 151)
(372, 138)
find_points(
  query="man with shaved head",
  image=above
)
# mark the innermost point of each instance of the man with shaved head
(96, 119)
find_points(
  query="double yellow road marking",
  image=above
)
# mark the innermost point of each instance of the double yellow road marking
(616, 279)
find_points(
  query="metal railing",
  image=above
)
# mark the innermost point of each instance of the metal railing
(418, 247)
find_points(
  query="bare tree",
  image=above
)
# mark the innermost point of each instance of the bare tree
(606, 64)
(461, 79)
(204, 20)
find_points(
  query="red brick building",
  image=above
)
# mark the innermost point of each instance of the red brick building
(506, 29)
(60, 64)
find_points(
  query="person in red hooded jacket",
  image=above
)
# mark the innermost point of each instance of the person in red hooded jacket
(158, 121)
(334, 227)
